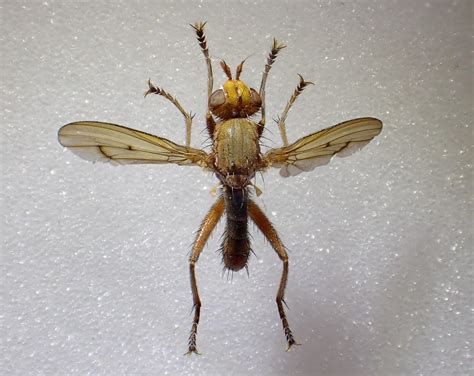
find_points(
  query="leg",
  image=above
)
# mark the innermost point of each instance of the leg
(276, 47)
(152, 89)
(281, 120)
(210, 221)
(199, 29)
(263, 223)
(210, 124)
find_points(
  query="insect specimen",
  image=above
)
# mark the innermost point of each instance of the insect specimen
(235, 158)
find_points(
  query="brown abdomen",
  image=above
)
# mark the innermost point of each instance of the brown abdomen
(236, 243)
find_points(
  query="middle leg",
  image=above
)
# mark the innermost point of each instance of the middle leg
(188, 118)
(281, 120)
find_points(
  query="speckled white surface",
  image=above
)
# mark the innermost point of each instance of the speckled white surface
(94, 257)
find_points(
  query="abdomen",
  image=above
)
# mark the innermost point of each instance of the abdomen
(236, 243)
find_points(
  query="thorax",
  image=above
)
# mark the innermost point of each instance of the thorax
(236, 151)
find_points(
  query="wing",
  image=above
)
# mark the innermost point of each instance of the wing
(318, 148)
(95, 141)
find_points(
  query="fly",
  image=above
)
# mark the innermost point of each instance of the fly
(235, 158)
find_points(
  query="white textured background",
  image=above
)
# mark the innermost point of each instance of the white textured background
(94, 272)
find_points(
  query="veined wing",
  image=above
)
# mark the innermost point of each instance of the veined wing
(96, 141)
(318, 148)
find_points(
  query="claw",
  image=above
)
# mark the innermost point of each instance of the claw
(198, 26)
(302, 84)
(192, 349)
(152, 89)
(290, 339)
(291, 344)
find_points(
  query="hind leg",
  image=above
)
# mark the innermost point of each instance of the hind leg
(264, 224)
(209, 223)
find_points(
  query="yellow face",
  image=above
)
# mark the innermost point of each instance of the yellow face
(235, 99)
(237, 93)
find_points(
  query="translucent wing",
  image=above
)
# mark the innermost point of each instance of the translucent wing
(318, 148)
(106, 142)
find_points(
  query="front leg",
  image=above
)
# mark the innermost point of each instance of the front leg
(201, 37)
(211, 125)
(264, 224)
(276, 48)
(209, 223)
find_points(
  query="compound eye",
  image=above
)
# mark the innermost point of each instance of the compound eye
(217, 98)
(255, 98)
